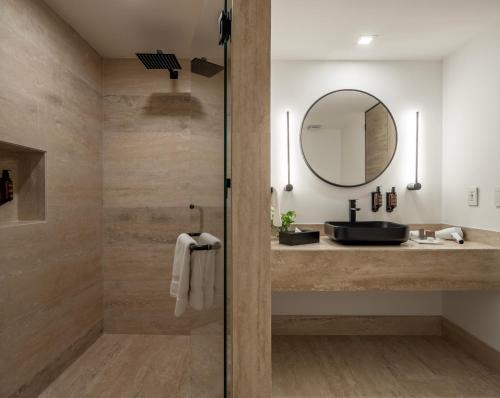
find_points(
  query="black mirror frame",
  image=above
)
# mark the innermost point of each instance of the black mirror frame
(302, 147)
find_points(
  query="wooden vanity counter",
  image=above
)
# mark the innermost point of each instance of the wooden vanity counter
(329, 266)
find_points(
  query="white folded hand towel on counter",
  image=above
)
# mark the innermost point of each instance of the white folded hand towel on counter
(181, 273)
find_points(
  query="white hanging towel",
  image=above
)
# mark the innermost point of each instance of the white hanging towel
(181, 273)
(203, 273)
(215, 297)
(275, 208)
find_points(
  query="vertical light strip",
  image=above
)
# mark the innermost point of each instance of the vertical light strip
(416, 185)
(416, 147)
(288, 187)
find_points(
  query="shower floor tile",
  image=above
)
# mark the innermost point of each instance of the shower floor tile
(128, 366)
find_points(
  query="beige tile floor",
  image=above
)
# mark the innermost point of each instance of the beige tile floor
(151, 366)
(147, 366)
(123, 366)
(355, 366)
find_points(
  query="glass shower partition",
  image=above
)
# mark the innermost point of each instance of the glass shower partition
(210, 213)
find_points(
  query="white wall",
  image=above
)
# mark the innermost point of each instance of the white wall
(471, 157)
(404, 87)
(471, 132)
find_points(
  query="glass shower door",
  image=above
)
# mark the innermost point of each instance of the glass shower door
(209, 165)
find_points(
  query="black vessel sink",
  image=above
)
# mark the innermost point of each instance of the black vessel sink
(367, 232)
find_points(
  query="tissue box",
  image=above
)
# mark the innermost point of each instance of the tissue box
(304, 237)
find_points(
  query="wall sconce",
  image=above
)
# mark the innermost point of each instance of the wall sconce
(416, 186)
(288, 187)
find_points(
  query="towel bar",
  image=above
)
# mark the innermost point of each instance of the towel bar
(204, 247)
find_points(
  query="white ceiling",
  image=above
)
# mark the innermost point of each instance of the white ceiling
(301, 29)
(406, 29)
(120, 28)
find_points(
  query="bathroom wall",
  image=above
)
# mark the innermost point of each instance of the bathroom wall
(163, 149)
(50, 272)
(358, 303)
(471, 141)
(404, 87)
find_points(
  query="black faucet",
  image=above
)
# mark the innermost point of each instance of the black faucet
(352, 210)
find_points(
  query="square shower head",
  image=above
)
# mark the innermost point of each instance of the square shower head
(161, 61)
(205, 68)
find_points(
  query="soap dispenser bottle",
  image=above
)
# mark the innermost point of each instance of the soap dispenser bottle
(391, 200)
(6, 188)
(376, 200)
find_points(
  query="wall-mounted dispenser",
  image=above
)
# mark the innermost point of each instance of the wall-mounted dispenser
(6, 188)
(376, 200)
(391, 199)
(288, 187)
(415, 186)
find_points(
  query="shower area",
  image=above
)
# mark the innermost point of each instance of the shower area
(115, 145)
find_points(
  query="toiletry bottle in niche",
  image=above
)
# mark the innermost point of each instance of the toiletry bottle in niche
(376, 200)
(6, 187)
(391, 199)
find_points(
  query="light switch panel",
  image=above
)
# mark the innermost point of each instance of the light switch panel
(473, 196)
(497, 197)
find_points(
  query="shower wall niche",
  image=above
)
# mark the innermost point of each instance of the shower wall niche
(27, 172)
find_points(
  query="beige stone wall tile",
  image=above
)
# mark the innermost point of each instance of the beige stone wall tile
(50, 273)
(146, 169)
(35, 341)
(157, 112)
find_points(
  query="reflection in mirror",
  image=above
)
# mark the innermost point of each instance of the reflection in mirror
(348, 138)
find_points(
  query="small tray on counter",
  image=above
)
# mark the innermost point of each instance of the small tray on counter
(304, 237)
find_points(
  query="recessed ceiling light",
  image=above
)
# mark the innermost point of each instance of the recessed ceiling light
(365, 40)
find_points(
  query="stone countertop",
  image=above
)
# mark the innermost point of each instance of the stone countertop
(326, 243)
(330, 266)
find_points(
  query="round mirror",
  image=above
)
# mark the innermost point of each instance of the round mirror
(348, 138)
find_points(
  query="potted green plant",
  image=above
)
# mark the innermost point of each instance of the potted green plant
(287, 220)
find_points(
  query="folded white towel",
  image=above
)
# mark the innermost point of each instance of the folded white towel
(181, 273)
(275, 208)
(209, 239)
(204, 273)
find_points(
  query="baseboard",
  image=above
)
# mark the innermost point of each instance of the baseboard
(471, 345)
(47, 375)
(356, 325)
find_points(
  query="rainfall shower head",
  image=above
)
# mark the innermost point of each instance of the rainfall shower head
(202, 67)
(161, 61)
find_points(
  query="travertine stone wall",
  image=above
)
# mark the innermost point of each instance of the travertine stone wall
(50, 272)
(163, 149)
(250, 146)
